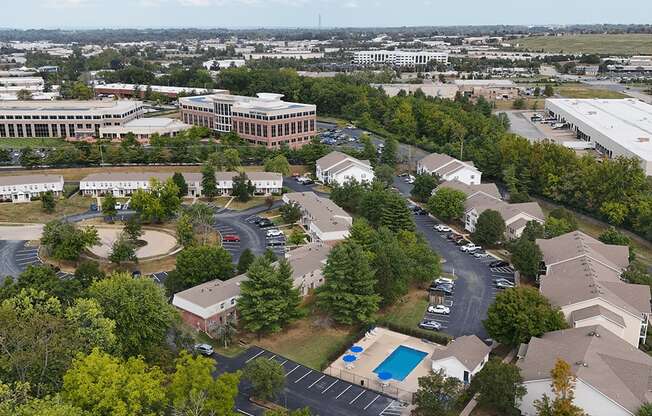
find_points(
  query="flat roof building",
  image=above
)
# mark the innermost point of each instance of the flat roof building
(129, 90)
(617, 127)
(399, 58)
(144, 128)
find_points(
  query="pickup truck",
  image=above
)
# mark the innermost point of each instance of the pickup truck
(470, 248)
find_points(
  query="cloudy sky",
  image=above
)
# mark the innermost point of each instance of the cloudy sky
(303, 13)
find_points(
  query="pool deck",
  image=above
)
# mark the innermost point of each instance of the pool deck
(376, 349)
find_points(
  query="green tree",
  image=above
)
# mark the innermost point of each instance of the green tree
(268, 301)
(201, 216)
(267, 378)
(296, 238)
(104, 385)
(160, 203)
(194, 391)
(390, 265)
(140, 310)
(133, 228)
(48, 202)
(108, 205)
(123, 250)
(24, 95)
(645, 410)
(243, 189)
(395, 214)
(231, 159)
(490, 228)
(615, 237)
(563, 387)
(422, 262)
(279, 164)
(521, 313)
(447, 204)
(185, 233)
(548, 91)
(246, 258)
(282, 412)
(291, 212)
(40, 278)
(348, 294)
(198, 264)
(348, 195)
(438, 395)
(64, 241)
(208, 181)
(369, 151)
(89, 323)
(499, 386)
(614, 212)
(526, 257)
(555, 227)
(389, 153)
(180, 182)
(519, 104)
(87, 273)
(424, 184)
(384, 174)
(532, 231)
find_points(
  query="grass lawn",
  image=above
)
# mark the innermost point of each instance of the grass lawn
(241, 206)
(530, 104)
(409, 310)
(339, 121)
(583, 91)
(617, 44)
(33, 212)
(35, 142)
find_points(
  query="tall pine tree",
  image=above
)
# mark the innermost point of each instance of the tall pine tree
(395, 214)
(208, 181)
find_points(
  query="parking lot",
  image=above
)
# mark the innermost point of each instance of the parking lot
(323, 394)
(249, 234)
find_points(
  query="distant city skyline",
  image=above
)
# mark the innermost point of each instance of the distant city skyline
(31, 14)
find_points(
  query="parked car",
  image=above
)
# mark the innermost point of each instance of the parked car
(204, 349)
(430, 325)
(439, 309)
(481, 255)
(498, 263)
(470, 248)
(93, 207)
(461, 241)
(276, 242)
(265, 222)
(255, 219)
(231, 238)
(502, 279)
(505, 285)
(442, 228)
(274, 233)
(447, 289)
(419, 211)
(451, 236)
(308, 181)
(118, 206)
(444, 280)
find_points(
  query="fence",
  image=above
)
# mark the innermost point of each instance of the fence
(372, 384)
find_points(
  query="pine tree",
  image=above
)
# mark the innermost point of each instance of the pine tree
(246, 258)
(396, 215)
(208, 181)
(348, 294)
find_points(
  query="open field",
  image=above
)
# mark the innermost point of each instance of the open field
(409, 310)
(530, 104)
(34, 142)
(584, 91)
(32, 211)
(620, 44)
(76, 174)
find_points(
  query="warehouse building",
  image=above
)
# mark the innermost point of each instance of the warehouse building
(399, 58)
(620, 127)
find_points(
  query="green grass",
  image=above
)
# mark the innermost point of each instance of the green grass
(35, 142)
(32, 212)
(618, 44)
(583, 91)
(409, 310)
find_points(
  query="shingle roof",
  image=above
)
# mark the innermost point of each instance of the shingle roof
(597, 310)
(488, 188)
(609, 364)
(325, 214)
(335, 158)
(29, 179)
(469, 350)
(189, 176)
(482, 202)
(436, 161)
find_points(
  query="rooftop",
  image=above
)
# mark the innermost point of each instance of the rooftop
(324, 213)
(29, 179)
(468, 350)
(68, 105)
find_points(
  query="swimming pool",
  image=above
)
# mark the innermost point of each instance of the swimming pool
(401, 362)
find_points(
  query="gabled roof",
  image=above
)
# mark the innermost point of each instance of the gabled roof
(29, 179)
(468, 350)
(335, 158)
(482, 202)
(577, 244)
(487, 188)
(594, 311)
(324, 213)
(597, 357)
(443, 164)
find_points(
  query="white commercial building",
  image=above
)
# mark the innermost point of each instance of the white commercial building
(144, 128)
(620, 127)
(448, 168)
(339, 168)
(23, 188)
(399, 58)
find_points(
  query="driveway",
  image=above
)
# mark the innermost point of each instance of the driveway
(21, 232)
(474, 291)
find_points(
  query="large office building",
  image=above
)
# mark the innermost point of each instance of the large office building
(264, 120)
(399, 58)
(621, 127)
(70, 119)
(130, 90)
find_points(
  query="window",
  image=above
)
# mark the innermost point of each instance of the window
(41, 130)
(287, 128)
(294, 127)
(12, 132)
(19, 129)
(28, 130)
(3, 131)
(274, 131)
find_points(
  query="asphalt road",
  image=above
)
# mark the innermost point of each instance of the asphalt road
(522, 126)
(474, 290)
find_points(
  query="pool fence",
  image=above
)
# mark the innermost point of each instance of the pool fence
(389, 388)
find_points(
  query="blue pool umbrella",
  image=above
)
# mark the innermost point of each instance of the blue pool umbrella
(356, 348)
(349, 358)
(384, 375)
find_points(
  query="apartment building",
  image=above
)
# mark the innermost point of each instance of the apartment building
(448, 168)
(22, 188)
(68, 119)
(215, 302)
(462, 358)
(126, 183)
(612, 377)
(144, 128)
(581, 275)
(339, 168)
(399, 58)
(322, 219)
(516, 216)
(265, 120)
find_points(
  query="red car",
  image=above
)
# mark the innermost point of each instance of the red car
(231, 238)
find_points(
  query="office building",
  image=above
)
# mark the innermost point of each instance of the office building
(74, 119)
(23, 188)
(399, 58)
(264, 120)
(620, 127)
(130, 90)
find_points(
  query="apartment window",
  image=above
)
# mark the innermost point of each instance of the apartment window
(287, 129)
(89, 126)
(62, 128)
(55, 133)
(274, 131)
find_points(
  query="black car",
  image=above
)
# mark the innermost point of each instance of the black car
(447, 289)
(265, 222)
(276, 242)
(254, 219)
(419, 211)
(498, 263)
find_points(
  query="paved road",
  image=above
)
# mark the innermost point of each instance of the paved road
(305, 387)
(474, 290)
(522, 126)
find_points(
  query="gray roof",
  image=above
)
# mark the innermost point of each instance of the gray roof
(335, 158)
(488, 188)
(597, 310)
(579, 244)
(482, 202)
(609, 364)
(468, 349)
(435, 161)
(29, 179)
(189, 176)
(325, 214)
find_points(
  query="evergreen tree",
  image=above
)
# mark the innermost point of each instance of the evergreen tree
(48, 202)
(389, 153)
(490, 228)
(390, 264)
(526, 257)
(395, 214)
(108, 205)
(208, 181)
(180, 181)
(369, 151)
(246, 258)
(243, 189)
(423, 187)
(349, 294)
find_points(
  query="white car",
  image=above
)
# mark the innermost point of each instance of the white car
(439, 309)
(444, 281)
(118, 206)
(470, 248)
(204, 349)
(442, 228)
(274, 233)
(481, 255)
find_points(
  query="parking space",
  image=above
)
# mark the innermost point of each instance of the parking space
(27, 256)
(502, 270)
(323, 393)
(160, 277)
(232, 246)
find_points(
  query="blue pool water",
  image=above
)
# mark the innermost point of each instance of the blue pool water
(401, 362)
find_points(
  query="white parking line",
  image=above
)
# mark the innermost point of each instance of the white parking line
(284, 362)
(371, 402)
(292, 371)
(356, 397)
(328, 388)
(391, 403)
(317, 381)
(302, 377)
(271, 358)
(255, 356)
(243, 412)
(345, 390)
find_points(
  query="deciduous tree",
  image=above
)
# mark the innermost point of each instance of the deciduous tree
(64, 241)
(438, 395)
(424, 184)
(267, 378)
(499, 386)
(490, 228)
(447, 204)
(563, 387)
(243, 189)
(279, 164)
(199, 264)
(48, 202)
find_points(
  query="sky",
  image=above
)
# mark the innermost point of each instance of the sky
(304, 13)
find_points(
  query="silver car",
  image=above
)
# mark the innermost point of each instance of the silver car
(204, 349)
